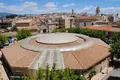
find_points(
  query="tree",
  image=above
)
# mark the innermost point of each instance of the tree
(69, 75)
(116, 36)
(54, 74)
(60, 74)
(81, 77)
(11, 16)
(92, 73)
(47, 73)
(3, 40)
(28, 77)
(85, 31)
(23, 33)
(115, 50)
(39, 74)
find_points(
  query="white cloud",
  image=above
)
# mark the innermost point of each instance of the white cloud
(69, 5)
(110, 10)
(51, 6)
(33, 8)
(26, 7)
(88, 8)
(92, 9)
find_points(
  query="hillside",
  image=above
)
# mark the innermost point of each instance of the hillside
(2, 15)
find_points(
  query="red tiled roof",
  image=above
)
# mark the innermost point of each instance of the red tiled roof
(86, 58)
(102, 28)
(18, 56)
(86, 18)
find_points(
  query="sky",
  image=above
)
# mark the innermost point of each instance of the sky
(50, 6)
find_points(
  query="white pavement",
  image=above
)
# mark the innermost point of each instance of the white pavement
(102, 74)
(48, 57)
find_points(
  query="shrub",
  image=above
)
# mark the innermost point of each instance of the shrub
(116, 36)
(88, 32)
(55, 30)
(115, 50)
(55, 74)
(3, 40)
(23, 33)
(92, 73)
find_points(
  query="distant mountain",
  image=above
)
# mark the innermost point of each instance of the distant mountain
(2, 15)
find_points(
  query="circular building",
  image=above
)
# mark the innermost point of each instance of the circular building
(77, 51)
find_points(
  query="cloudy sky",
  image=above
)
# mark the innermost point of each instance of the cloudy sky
(47, 6)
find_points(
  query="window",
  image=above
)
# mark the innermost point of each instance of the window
(44, 30)
(92, 23)
(84, 24)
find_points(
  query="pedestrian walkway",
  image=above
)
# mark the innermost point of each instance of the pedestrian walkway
(3, 74)
(102, 74)
(48, 57)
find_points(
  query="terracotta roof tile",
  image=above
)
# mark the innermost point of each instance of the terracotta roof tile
(16, 55)
(102, 28)
(70, 61)
(86, 18)
(86, 58)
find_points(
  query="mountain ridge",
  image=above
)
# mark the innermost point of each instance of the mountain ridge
(4, 14)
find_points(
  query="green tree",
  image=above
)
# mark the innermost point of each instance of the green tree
(92, 73)
(39, 74)
(115, 50)
(3, 40)
(81, 77)
(11, 16)
(47, 77)
(69, 75)
(116, 36)
(23, 33)
(60, 74)
(53, 73)
(88, 32)
(28, 77)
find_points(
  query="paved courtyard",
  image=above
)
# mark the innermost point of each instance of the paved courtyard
(113, 73)
(102, 74)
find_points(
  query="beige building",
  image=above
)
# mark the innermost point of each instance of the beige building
(27, 24)
(85, 21)
(77, 51)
